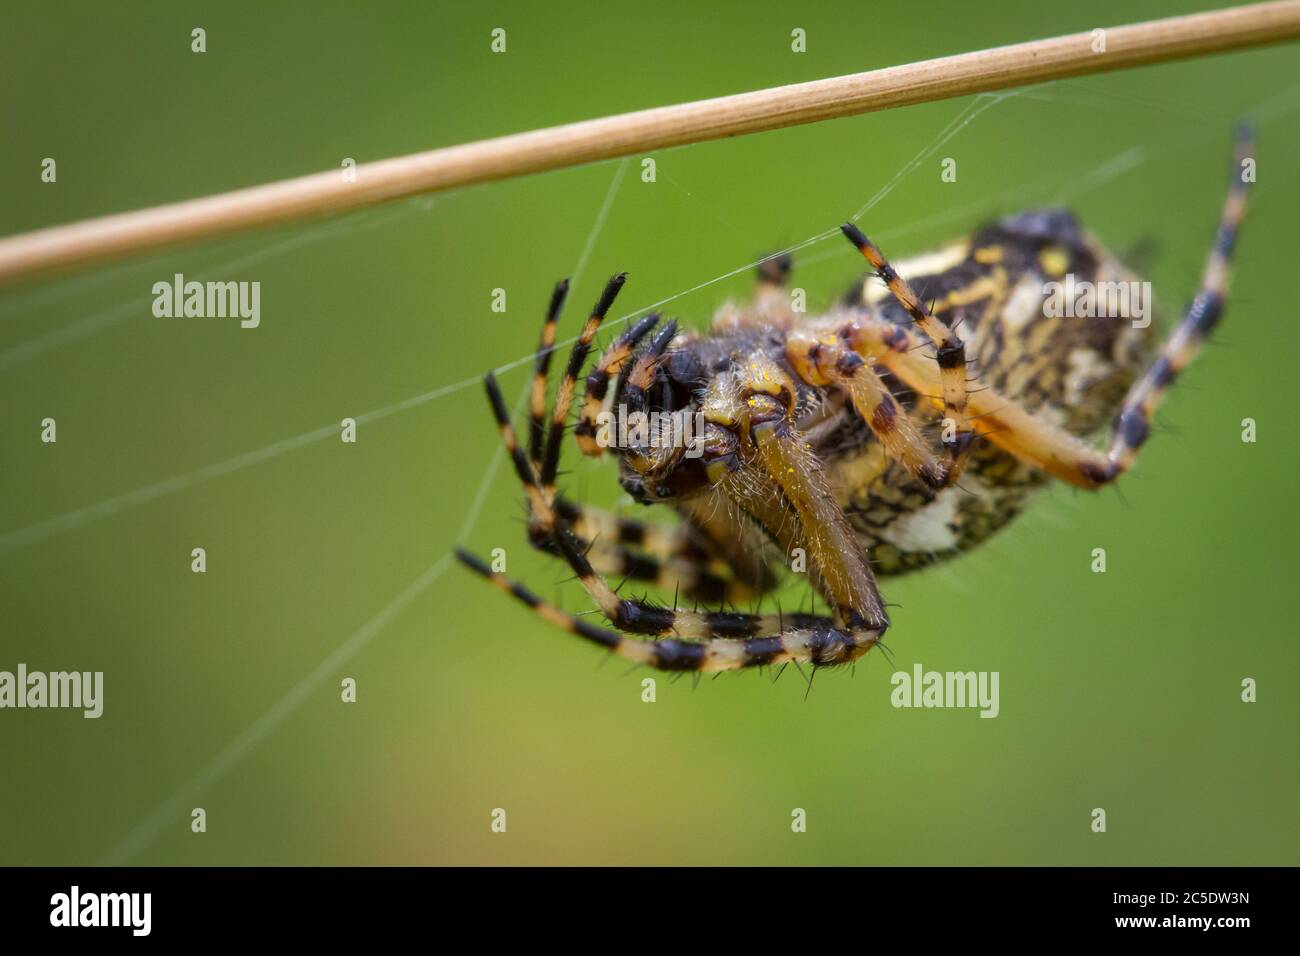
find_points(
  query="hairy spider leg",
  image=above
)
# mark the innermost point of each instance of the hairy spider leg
(608, 368)
(957, 437)
(1047, 446)
(541, 370)
(564, 396)
(827, 361)
(799, 644)
(634, 616)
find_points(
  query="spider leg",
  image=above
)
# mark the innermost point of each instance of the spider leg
(761, 411)
(727, 640)
(826, 361)
(598, 524)
(704, 543)
(993, 416)
(732, 536)
(674, 559)
(817, 644)
(564, 396)
(1133, 423)
(541, 369)
(1045, 445)
(661, 544)
(638, 617)
(607, 370)
(641, 375)
(702, 578)
(951, 354)
(706, 536)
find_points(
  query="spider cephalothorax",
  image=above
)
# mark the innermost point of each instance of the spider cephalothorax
(837, 441)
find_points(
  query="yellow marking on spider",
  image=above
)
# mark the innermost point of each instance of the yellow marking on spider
(1054, 261)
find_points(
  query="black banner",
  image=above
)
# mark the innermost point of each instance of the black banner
(96, 905)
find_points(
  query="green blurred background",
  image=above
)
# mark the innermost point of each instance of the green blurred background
(1118, 690)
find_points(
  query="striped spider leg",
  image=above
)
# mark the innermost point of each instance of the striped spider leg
(764, 384)
(1045, 445)
(756, 418)
(706, 641)
(679, 558)
(874, 402)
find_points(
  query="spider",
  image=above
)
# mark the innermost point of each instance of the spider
(819, 439)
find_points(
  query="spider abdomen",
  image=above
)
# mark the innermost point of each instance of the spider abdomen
(1003, 291)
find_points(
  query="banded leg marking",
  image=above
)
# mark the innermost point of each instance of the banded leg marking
(541, 370)
(608, 368)
(1133, 423)
(1044, 445)
(817, 644)
(950, 354)
(564, 397)
(822, 362)
(638, 617)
